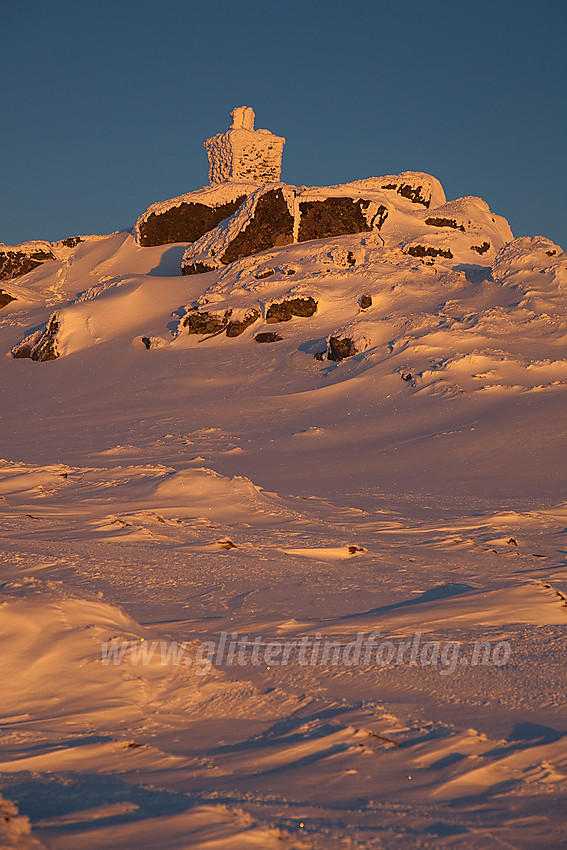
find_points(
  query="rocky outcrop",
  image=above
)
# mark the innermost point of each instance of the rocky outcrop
(5, 298)
(365, 302)
(270, 225)
(416, 187)
(278, 215)
(184, 223)
(481, 249)
(429, 251)
(444, 222)
(197, 268)
(235, 327)
(211, 324)
(334, 217)
(205, 323)
(17, 261)
(340, 348)
(71, 241)
(268, 336)
(283, 311)
(41, 345)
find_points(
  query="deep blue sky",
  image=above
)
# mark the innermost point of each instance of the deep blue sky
(106, 105)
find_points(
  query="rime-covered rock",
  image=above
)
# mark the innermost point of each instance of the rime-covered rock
(205, 322)
(188, 217)
(268, 336)
(283, 311)
(340, 348)
(264, 220)
(243, 153)
(417, 187)
(279, 214)
(40, 345)
(5, 298)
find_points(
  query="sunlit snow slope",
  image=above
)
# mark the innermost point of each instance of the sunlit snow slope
(360, 433)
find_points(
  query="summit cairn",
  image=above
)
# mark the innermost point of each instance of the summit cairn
(243, 153)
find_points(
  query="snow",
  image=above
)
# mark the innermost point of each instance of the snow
(212, 486)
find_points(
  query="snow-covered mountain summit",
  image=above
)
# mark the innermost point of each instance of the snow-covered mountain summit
(285, 411)
(333, 267)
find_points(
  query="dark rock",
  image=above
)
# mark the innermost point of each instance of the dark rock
(551, 253)
(268, 336)
(197, 268)
(320, 355)
(332, 217)
(205, 323)
(71, 241)
(46, 347)
(210, 323)
(407, 377)
(283, 311)
(365, 302)
(350, 259)
(380, 217)
(415, 194)
(481, 249)
(340, 348)
(267, 273)
(42, 346)
(21, 351)
(147, 342)
(17, 263)
(445, 222)
(185, 223)
(235, 328)
(270, 226)
(422, 251)
(5, 298)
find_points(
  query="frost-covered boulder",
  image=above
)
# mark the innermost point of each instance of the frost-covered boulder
(232, 322)
(188, 217)
(264, 220)
(40, 345)
(340, 347)
(415, 186)
(465, 230)
(5, 298)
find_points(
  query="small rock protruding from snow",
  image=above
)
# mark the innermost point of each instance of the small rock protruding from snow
(243, 153)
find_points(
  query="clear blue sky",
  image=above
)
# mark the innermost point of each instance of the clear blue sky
(106, 105)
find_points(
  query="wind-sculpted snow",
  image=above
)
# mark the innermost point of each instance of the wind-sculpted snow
(298, 594)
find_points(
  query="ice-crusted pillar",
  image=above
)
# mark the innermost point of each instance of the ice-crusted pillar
(243, 153)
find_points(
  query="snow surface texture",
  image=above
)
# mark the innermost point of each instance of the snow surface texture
(243, 153)
(161, 485)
